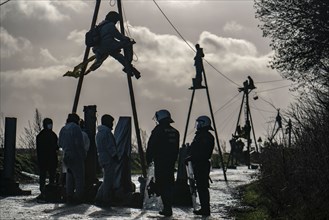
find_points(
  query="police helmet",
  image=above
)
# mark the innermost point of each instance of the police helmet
(203, 122)
(163, 115)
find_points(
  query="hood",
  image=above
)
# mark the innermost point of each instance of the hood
(103, 128)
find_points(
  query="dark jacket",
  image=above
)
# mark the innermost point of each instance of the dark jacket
(47, 147)
(201, 148)
(162, 148)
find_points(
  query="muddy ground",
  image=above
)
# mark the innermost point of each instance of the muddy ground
(222, 200)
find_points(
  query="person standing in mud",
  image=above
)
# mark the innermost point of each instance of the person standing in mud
(71, 141)
(200, 154)
(162, 148)
(107, 158)
(46, 144)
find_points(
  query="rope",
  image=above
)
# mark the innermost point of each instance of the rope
(182, 37)
(4, 2)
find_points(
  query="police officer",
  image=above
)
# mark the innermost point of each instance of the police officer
(162, 148)
(200, 154)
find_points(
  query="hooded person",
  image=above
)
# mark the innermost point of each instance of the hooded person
(111, 43)
(71, 141)
(107, 158)
(162, 149)
(200, 153)
(46, 144)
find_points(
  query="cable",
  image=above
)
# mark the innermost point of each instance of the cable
(261, 110)
(181, 36)
(4, 2)
(221, 108)
(275, 88)
(128, 31)
(268, 103)
(270, 81)
(112, 4)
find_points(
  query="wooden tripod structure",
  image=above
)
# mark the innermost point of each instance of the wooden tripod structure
(131, 90)
(249, 126)
(212, 118)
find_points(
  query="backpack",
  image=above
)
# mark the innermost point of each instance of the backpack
(93, 36)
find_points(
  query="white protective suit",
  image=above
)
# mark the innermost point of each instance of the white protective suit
(71, 141)
(107, 157)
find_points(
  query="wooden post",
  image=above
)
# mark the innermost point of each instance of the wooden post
(215, 127)
(133, 103)
(8, 185)
(85, 58)
(91, 159)
(10, 148)
(188, 116)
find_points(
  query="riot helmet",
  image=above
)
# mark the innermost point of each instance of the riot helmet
(203, 122)
(163, 115)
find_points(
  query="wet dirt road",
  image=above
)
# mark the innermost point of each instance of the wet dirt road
(221, 193)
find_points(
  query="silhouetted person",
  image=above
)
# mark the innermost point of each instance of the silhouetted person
(251, 84)
(46, 143)
(245, 87)
(162, 148)
(71, 141)
(111, 43)
(107, 158)
(198, 63)
(200, 154)
(279, 120)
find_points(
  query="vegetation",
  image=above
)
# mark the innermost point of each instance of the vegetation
(295, 180)
(254, 204)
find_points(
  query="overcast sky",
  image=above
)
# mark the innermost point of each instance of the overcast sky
(41, 40)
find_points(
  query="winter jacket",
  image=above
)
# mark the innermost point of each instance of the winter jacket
(201, 148)
(110, 38)
(71, 141)
(162, 148)
(46, 143)
(106, 146)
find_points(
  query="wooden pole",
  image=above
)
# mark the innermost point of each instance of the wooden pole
(249, 126)
(10, 148)
(215, 128)
(85, 58)
(133, 103)
(188, 116)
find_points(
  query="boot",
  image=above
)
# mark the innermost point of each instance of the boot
(136, 73)
(129, 70)
(202, 212)
(166, 212)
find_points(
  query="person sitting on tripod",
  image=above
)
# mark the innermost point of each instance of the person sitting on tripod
(111, 43)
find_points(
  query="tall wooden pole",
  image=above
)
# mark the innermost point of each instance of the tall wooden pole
(188, 116)
(249, 126)
(133, 103)
(85, 58)
(215, 127)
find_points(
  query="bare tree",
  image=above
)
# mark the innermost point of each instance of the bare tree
(28, 138)
(299, 33)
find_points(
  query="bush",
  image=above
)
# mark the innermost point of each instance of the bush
(296, 179)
